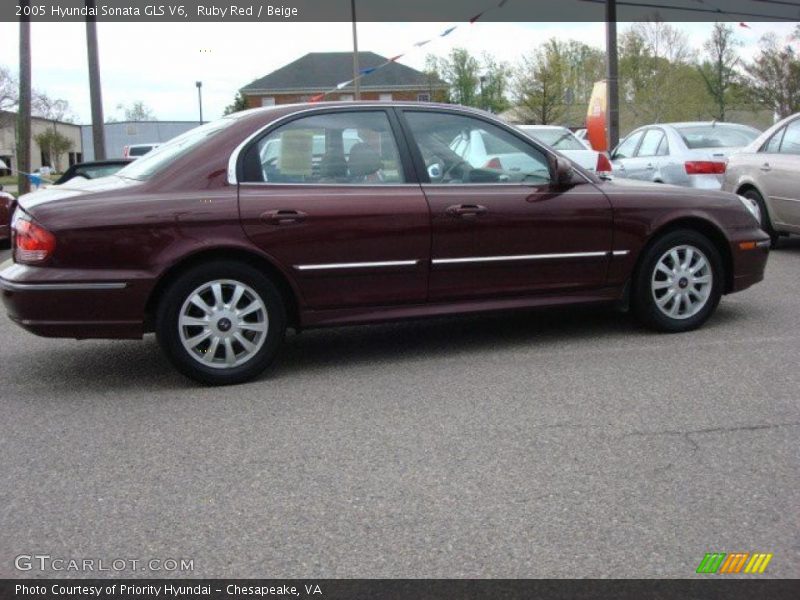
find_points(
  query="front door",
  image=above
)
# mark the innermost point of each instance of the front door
(328, 198)
(503, 227)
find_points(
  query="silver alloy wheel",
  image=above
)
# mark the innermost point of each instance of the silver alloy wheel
(756, 209)
(223, 324)
(682, 281)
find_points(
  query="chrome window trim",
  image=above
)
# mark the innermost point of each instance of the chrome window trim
(358, 265)
(13, 286)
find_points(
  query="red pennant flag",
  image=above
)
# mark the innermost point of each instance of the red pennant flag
(394, 58)
(476, 17)
(745, 25)
(316, 98)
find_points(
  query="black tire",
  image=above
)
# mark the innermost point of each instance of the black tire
(176, 299)
(645, 306)
(766, 223)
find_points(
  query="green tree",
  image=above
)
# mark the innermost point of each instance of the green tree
(774, 76)
(718, 69)
(539, 84)
(239, 103)
(137, 111)
(461, 72)
(494, 79)
(54, 144)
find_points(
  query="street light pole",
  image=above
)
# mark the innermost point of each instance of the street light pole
(612, 75)
(199, 85)
(24, 111)
(356, 84)
(95, 92)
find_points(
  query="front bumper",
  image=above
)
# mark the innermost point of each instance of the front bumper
(56, 303)
(749, 253)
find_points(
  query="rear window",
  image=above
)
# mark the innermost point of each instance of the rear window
(717, 136)
(139, 150)
(560, 139)
(495, 145)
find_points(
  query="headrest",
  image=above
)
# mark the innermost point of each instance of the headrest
(364, 160)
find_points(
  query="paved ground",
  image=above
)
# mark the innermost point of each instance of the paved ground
(565, 444)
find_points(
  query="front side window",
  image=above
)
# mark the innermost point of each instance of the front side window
(356, 148)
(462, 149)
(791, 139)
(628, 145)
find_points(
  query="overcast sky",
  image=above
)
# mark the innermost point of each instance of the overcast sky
(160, 62)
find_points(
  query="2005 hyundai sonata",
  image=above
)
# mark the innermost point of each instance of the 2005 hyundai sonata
(339, 213)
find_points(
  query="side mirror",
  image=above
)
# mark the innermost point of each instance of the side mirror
(563, 171)
(435, 171)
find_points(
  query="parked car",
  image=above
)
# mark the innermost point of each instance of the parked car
(563, 140)
(583, 135)
(218, 255)
(137, 150)
(7, 205)
(93, 169)
(687, 154)
(767, 171)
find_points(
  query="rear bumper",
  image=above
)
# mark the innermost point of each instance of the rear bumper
(749, 262)
(42, 302)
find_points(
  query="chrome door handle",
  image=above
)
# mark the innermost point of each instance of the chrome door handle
(649, 166)
(283, 217)
(765, 167)
(466, 210)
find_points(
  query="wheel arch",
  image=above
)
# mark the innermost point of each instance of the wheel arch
(703, 226)
(746, 186)
(289, 293)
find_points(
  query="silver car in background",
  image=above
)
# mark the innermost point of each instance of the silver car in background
(767, 172)
(686, 154)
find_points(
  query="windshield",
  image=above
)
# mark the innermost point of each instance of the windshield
(560, 139)
(721, 135)
(165, 154)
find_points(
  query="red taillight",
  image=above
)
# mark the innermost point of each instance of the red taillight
(603, 164)
(704, 167)
(494, 163)
(33, 243)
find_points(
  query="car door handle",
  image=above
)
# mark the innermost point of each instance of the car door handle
(283, 217)
(765, 167)
(649, 166)
(466, 210)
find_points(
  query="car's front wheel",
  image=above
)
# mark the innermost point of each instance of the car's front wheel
(221, 323)
(679, 282)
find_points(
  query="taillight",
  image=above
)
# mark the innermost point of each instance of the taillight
(603, 164)
(704, 167)
(32, 242)
(494, 163)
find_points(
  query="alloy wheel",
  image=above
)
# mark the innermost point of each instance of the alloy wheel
(682, 281)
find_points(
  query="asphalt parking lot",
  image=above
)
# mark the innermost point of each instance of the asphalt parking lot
(549, 444)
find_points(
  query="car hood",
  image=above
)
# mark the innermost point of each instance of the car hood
(74, 188)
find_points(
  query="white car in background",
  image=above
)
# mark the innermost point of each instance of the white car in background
(687, 154)
(563, 140)
(137, 150)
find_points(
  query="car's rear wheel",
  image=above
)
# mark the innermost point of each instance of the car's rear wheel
(679, 282)
(221, 323)
(763, 215)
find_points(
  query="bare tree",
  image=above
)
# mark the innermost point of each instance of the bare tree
(718, 70)
(774, 77)
(539, 84)
(137, 111)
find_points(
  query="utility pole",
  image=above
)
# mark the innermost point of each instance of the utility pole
(612, 75)
(356, 84)
(95, 93)
(199, 85)
(24, 111)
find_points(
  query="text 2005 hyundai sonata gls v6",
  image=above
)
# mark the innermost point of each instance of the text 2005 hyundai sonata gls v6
(328, 214)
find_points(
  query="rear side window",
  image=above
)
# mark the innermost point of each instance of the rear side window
(355, 148)
(773, 144)
(716, 136)
(651, 142)
(139, 150)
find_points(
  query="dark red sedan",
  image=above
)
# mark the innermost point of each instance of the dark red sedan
(330, 214)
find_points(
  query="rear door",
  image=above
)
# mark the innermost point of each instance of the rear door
(646, 162)
(500, 231)
(330, 199)
(624, 154)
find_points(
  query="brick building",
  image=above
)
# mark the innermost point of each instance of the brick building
(319, 72)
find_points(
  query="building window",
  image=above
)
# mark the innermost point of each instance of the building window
(130, 129)
(267, 100)
(385, 97)
(425, 97)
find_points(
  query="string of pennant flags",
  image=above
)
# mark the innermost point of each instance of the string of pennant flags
(369, 70)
